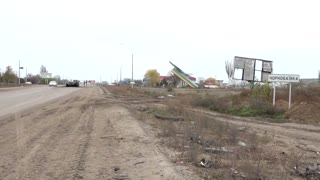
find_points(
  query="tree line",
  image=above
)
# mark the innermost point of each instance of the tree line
(10, 76)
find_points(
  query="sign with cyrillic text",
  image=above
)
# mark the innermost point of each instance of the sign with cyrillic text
(284, 78)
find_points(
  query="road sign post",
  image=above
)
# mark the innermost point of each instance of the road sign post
(274, 94)
(284, 78)
(289, 95)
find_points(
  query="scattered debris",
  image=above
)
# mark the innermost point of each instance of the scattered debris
(206, 163)
(218, 150)
(236, 173)
(160, 97)
(313, 171)
(121, 177)
(139, 163)
(170, 95)
(116, 169)
(242, 128)
(242, 144)
(199, 140)
(142, 108)
(174, 118)
(309, 171)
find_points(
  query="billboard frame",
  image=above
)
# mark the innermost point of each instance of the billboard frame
(238, 60)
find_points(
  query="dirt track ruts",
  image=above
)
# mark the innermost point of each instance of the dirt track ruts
(80, 136)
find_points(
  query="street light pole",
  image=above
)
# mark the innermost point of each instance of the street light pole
(132, 69)
(120, 73)
(26, 74)
(19, 71)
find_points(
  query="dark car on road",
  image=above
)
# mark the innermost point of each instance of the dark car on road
(74, 83)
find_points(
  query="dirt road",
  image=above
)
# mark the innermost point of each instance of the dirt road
(84, 135)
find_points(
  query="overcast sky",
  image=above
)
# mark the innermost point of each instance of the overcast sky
(88, 39)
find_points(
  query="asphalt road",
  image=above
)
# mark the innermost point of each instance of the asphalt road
(17, 99)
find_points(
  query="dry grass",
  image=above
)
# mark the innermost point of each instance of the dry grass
(125, 90)
(254, 161)
(240, 105)
(305, 103)
(299, 94)
(257, 160)
(198, 132)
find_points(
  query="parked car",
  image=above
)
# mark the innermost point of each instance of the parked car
(28, 82)
(53, 83)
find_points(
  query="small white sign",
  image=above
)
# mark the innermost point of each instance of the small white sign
(284, 78)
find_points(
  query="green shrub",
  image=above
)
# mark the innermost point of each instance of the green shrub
(263, 92)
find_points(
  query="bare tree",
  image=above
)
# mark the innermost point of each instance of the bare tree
(34, 79)
(201, 81)
(43, 71)
(172, 79)
(230, 71)
(57, 78)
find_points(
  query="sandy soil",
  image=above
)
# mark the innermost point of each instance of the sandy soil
(292, 136)
(83, 135)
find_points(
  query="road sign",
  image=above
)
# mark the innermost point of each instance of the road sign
(284, 78)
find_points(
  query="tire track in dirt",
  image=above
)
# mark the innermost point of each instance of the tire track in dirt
(28, 143)
(290, 131)
(57, 144)
(20, 138)
(74, 143)
(84, 144)
(121, 149)
(84, 136)
(287, 137)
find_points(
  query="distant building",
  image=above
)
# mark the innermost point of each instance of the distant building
(167, 80)
(210, 84)
(163, 78)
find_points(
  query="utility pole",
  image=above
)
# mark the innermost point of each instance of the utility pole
(120, 73)
(26, 74)
(19, 71)
(132, 69)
